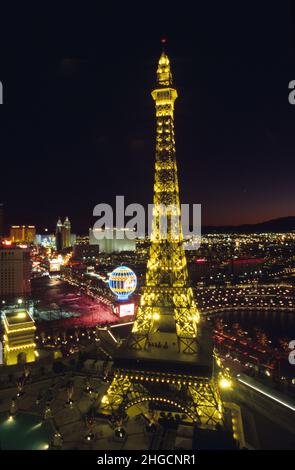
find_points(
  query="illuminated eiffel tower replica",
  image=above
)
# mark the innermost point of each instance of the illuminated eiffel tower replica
(164, 360)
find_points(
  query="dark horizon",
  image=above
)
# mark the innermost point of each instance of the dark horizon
(79, 126)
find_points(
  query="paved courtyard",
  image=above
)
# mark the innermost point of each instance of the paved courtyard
(70, 419)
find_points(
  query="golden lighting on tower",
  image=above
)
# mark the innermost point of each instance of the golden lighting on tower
(167, 283)
(167, 312)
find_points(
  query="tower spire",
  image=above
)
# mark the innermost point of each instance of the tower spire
(164, 75)
(167, 303)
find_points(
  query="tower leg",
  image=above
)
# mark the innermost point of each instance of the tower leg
(207, 402)
(116, 395)
(201, 400)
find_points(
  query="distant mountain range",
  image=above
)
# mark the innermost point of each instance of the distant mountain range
(283, 224)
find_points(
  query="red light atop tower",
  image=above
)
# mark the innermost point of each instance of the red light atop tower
(163, 40)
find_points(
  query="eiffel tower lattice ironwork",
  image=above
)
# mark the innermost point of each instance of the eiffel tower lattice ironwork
(167, 302)
(163, 360)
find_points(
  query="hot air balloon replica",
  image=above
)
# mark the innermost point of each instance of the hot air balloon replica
(122, 282)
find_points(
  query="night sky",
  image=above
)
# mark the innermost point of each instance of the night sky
(78, 127)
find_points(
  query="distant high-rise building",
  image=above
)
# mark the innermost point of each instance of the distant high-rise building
(63, 235)
(66, 233)
(110, 242)
(15, 271)
(58, 235)
(1, 219)
(22, 233)
(45, 240)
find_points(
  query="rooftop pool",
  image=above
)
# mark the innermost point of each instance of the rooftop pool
(24, 432)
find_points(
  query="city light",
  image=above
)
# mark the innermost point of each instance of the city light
(21, 315)
(225, 383)
(170, 340)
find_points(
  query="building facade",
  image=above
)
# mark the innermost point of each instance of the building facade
(66, 234)
(111, 240)
(166, 360)
(63, 236)
(15, 271)
(22, 233)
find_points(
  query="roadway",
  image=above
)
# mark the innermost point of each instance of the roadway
(268, 416)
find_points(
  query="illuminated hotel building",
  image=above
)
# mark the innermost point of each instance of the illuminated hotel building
(66, 234)
(63, 234)
(15, 270)
(22, 233)
(19, 337)
(58, 235)
(111, 240)
(82, 240)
